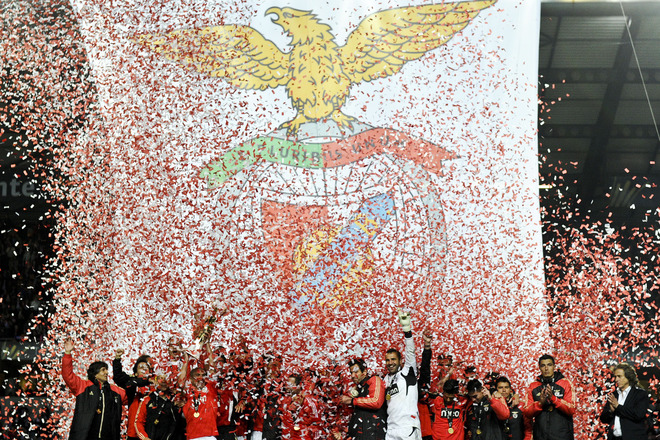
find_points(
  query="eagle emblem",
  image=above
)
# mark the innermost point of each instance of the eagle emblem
(316, 72)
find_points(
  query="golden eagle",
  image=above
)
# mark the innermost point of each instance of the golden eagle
(316, 72)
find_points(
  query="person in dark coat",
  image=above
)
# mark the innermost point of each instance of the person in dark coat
(159, 414)
(517, 426)
(97, 414)
(627, 407)
(367, 398)
(550, 402)
(485, 412)
(136, 386)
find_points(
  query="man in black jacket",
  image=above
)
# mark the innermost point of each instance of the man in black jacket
(136, 386)
(627, 407)
(485, 413)
(517, 426)
(368, 400)
(550, 402)
(98, 410)
(159, 414)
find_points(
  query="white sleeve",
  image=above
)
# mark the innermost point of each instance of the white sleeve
(410, 358)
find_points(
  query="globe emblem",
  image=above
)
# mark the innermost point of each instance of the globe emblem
(336, 210)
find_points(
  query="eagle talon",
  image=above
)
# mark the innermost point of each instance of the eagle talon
(345, 122)
(293, 126)
(292, 132)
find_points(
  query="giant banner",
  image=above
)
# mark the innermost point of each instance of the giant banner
(311, 167)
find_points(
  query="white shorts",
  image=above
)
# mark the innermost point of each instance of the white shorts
(404, 433)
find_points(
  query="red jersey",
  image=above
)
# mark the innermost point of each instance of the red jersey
(201, 411)
(301, 421)
(225, 407)
(449, 421)
(424, 419)
(140, 394)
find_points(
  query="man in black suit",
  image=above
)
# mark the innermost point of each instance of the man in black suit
(627, 407)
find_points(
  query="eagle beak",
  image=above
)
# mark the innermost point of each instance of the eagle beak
(276, 11)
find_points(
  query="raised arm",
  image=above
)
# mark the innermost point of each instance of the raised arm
(410, 358)
(75, 383)
(425, 367)
(183, 374)
(118, 374)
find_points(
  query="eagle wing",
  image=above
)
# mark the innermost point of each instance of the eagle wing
(239, 54)
(385, 41)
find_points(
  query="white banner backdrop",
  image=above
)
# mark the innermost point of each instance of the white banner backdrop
(312, 166)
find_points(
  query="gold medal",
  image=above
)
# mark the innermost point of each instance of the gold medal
(388, 397)
(450, 430)
(550, 409)
(156, 422)
(98, 411)
(196, 414)
(478, 431)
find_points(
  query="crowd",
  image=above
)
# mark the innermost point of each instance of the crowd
(23, 253)
(239, 397)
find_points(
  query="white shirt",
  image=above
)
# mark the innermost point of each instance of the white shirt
(616, 431)
(402, 393)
